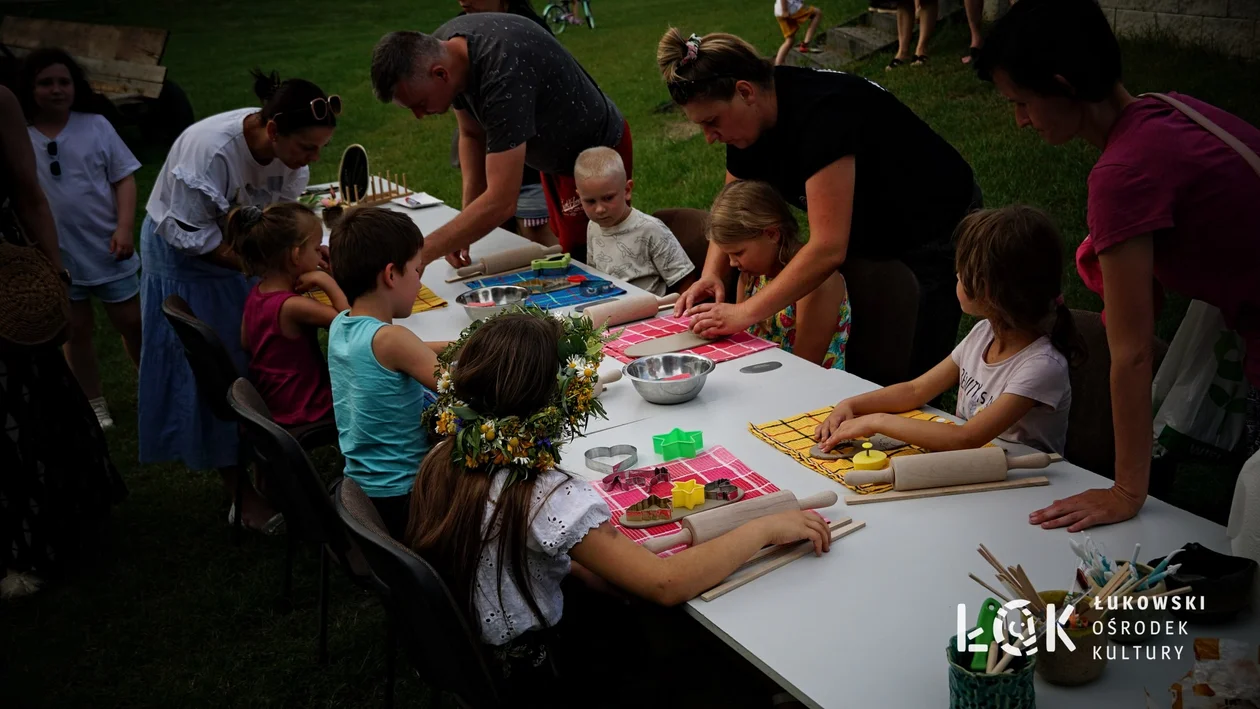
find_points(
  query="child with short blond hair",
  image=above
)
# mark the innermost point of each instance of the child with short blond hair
(380, 370)
(620, 240)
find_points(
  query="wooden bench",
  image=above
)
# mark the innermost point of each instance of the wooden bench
(122, 63)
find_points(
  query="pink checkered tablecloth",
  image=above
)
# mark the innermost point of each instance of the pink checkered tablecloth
(720, 350)
(710, 465)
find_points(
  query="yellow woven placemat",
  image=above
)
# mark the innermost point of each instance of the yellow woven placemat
(426, 300)
(795, 436)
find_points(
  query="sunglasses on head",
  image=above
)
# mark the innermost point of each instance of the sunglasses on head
(321, 107)
(55, 167)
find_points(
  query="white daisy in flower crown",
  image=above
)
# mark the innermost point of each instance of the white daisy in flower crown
(525, 446)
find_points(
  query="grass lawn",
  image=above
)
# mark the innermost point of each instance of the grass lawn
(171, 614)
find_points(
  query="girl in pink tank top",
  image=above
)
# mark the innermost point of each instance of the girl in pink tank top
(281, 245)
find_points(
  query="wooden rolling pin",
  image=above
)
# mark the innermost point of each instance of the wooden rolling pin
(976, 465)
(635, 307)
(506, 260)
(605, 380)
(703, 526)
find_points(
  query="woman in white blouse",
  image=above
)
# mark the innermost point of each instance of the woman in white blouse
(238, 158)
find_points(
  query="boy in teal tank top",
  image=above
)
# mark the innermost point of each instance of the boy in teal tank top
(379, 370)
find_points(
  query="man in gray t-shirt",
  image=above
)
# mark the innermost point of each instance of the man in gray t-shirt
(522, 102)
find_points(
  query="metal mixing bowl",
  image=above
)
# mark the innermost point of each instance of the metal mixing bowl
(652, 375)
(499, 298)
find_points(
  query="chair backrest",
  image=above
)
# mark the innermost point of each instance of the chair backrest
(884, 296)
(430, 624)
(1091, 441)
(212, 366)
(292, 482)
(689, 226)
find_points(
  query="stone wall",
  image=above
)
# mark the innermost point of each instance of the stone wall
(1228, 26)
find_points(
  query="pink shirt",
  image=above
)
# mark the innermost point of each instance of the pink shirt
(290, 373)
(1164, 174)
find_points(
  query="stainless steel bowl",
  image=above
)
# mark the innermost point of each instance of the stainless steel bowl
(494, 300)
(653, 376)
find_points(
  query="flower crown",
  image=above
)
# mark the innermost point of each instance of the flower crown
(525, 446)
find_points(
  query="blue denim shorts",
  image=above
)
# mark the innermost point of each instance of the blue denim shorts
(116, 291)
(531, 205)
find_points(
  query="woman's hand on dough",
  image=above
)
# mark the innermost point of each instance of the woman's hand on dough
(1088, 509)
(713, 320)
(705, 287)
(860, 427)
(795, 525)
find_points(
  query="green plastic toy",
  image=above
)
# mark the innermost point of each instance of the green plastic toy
(552, 265)
(988, 612)
(678, 444)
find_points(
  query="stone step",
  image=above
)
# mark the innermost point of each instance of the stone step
(851, 43)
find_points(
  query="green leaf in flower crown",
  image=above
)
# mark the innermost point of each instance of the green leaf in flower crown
(465, 413)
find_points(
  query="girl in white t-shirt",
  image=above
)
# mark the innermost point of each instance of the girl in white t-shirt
(1011, 369)
(86, 171)
(503, 526)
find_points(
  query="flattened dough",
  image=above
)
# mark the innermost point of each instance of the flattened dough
(878, 442)
(670, 343)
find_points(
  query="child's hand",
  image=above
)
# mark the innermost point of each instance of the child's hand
(312, 280)
(843, 412)
(795, 525)
(325, 261)
(122, 245)
(860, 427)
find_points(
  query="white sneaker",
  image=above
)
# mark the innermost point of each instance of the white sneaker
(101, 409)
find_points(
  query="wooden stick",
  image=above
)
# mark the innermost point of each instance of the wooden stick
(894, 495)
(1006, 660)
(990, 660)
(990, 588)
(743, 576)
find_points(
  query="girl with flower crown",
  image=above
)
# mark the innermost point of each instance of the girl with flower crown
(504, 526)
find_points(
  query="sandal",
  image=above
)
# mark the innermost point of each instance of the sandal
(919, 60)
(273, 527)
(972, 55)
(894, 64)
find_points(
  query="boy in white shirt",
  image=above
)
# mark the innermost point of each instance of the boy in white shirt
(620, 240)
(791, 14)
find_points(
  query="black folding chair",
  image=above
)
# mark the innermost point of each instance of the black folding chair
(421, 612)
(214, 372)
(296, 489)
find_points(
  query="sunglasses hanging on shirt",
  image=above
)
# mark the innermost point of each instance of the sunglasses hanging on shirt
(55, 167)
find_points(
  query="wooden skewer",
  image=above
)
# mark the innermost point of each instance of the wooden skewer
(990, 588)
(1174, 592)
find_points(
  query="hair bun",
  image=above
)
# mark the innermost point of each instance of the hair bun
(265, 85)
(250, 216)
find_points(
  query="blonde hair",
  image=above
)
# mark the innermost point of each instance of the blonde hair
(263, 237)
(598, 163)
(708, 67)
(746, 209)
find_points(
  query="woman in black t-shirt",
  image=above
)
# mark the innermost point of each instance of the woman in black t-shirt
(839, 147)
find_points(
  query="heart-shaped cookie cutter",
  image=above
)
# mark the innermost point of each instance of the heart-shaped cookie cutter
(592, 456)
